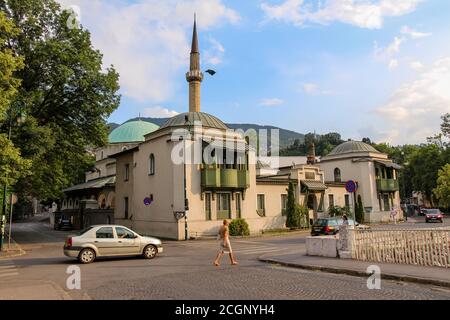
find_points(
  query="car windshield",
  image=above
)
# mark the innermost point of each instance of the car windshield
(321, 223)
(84, 231)
(432, 211)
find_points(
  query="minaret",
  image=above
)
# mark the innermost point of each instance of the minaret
(194, 76)
(311, 159)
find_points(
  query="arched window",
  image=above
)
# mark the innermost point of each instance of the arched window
(151, 165)
(337, 175)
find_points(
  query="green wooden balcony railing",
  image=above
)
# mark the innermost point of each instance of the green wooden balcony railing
(387, 185)
(225, 178)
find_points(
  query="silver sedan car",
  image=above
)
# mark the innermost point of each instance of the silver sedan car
(110, 241)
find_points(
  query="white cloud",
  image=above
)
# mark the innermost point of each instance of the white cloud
(413, 112)
(368, 14)
(314, 89)
(393, 64)
(148, 41)
(417, 65)
(271, 102)
(390, 51)
(415, 34)
(158, 112)
(214, 55)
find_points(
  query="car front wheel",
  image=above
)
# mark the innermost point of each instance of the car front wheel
(150, 252)
(86, 256)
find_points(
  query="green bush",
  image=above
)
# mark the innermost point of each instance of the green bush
(302, 213)
(291, 214)
(239, 227)
(337, 211)
(359, 213)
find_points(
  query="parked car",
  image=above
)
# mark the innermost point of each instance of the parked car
(433, 215)
(110, 241)
(330, 226)
(63, 223)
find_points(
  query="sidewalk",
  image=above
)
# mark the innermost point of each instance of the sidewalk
(14, 251)
(407, 273)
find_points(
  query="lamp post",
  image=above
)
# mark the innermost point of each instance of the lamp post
(19, 117)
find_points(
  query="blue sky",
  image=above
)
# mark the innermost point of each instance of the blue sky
(375, 68)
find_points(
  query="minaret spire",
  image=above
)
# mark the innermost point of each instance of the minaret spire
(194, 76)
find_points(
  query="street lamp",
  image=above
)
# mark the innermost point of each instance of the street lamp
(19, 118)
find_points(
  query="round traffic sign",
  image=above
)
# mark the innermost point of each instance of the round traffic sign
(351, 186)
(148, 201)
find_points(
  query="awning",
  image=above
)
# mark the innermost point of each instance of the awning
(240, 147)
(93, 184)
(390, 164)
(314, 185)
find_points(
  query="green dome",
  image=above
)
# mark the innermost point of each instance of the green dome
(352, 147)
(133, 131)
(189, 118)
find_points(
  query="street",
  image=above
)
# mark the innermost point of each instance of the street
(184, 271)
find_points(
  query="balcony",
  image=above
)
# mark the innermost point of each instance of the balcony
(225, 178)
(387, 185)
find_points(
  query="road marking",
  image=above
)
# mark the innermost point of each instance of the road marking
(4, 275)
(8, 269)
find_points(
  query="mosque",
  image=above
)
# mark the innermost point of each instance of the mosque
(159, 181)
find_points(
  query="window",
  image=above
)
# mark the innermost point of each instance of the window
(151, 165)
(223, 206)
(208, 205)
(310, 176)
(238, 205)
(347, 200)
(337, 175)
(386, 203)
(284, 198)
(123, 233)
(125, 203)
(105, 233)
(261, 204)
(127, 172)
(331, 200)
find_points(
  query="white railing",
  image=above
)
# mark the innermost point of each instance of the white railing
(423, 247)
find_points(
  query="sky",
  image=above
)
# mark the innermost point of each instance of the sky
(363, 68)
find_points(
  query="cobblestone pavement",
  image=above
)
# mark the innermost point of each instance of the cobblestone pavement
(185, 271)
(261, 282)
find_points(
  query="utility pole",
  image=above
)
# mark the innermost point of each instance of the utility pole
(5, 201)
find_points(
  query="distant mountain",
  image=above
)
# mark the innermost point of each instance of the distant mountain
(287, 137)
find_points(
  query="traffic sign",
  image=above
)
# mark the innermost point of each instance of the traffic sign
(14, 198)
(351, 186)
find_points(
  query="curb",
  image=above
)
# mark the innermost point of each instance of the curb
(13, 253)
(356, 273)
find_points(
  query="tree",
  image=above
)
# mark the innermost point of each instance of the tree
(291, 219)
(445, 127)
(12, 165)
(66, 94)
(324, 144)
(442, 190)
(359, 209)
(9, 64)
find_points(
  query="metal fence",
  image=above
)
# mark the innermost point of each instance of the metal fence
(422, 247)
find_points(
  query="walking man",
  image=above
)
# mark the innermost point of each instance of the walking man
(224, 244)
